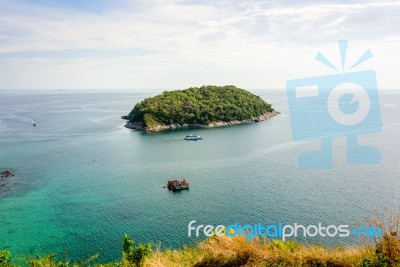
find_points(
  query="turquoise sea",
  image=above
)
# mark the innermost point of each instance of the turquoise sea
(83, 180)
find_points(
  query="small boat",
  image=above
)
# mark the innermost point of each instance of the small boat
(176, 185)
(193, 137)
(34, 124)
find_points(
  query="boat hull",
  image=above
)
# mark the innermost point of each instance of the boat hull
(177, 188)
(177, 185)
(193, 138)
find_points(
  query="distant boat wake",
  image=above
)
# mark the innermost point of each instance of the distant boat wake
(20, 119)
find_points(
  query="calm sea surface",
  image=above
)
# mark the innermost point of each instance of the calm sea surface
(83, 180)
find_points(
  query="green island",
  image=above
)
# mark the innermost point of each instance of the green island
(198, 107)
(379, 251)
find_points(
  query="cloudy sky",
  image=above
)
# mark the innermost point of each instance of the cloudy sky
(100, 44)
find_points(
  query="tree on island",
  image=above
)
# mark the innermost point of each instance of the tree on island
(199, 105)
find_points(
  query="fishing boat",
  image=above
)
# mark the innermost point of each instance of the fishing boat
(176, 185)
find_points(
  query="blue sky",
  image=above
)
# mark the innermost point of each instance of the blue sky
(98, 44)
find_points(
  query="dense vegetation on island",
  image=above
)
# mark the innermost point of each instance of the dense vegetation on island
(199, 105)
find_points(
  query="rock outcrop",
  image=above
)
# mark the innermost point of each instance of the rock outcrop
(163, 127)
(6, 173)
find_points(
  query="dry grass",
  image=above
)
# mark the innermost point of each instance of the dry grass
(228, 251)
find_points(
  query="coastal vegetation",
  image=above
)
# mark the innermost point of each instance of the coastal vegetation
(236, 251)
(199, 106)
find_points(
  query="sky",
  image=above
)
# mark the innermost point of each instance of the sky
(155, 44)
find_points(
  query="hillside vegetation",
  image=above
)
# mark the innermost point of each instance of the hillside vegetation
(236, 251)
(201, 105)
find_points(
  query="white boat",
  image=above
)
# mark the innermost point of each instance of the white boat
(193, 137)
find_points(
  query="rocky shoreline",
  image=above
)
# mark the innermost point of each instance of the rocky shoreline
(5, 176)
(163, 127)
(6, 173)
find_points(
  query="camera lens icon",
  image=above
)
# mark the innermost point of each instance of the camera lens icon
(345, 104)
(348, 104)
(325, 107)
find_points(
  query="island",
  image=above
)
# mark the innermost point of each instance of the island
(198, 107)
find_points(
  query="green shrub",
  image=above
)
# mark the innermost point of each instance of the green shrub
(135, 254)
(50, 260)
(4, 257)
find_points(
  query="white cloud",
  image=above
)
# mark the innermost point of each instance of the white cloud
(171, 44)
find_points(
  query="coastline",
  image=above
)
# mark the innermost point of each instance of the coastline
(163, 127)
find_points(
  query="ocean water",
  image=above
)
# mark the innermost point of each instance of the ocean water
(83, 180)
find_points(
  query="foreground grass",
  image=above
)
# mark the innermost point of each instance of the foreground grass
(228, 251)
